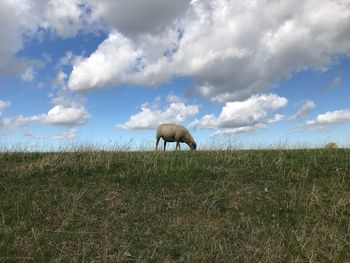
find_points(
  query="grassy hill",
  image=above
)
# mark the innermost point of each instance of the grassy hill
(204, 206)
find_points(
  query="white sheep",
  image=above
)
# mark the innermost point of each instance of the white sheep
(171, 132)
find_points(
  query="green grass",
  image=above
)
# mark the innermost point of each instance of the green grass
(204, 206)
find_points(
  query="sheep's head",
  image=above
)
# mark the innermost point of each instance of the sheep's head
(193, 145)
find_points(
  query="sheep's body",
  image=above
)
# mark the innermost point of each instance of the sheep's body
(171, 132)
(331, 145)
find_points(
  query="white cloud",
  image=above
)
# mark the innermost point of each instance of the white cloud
(151, 115)
(28, 75)
(111, 63)
(61, 79)
(64, 16)
(66, 99)
(59, 116)
(3, 105)
(172, 98)
(239, 130)
(15, 122)
(67, 60)
(17, 21)
(71, 134)
(244, 116)
(24, 20)
(63, 116)
(331, 117)
(60, 94)
(232, 49)
(304, 110)
(10, 124)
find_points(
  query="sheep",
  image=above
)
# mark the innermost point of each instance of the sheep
(171, 132)
(331, 145)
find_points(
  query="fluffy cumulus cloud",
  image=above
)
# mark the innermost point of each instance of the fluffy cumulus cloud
(112, 62)
(24, 20)
(63, 116)
(151, 115)
(330, 117)
(244, 116)
(232, 49)
(59, 115)
(17, 21)
(304, 110)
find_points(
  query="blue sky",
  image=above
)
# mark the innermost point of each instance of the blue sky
(257, 73)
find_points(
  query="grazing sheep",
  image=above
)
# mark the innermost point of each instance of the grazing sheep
(171, 132)
(331, 145)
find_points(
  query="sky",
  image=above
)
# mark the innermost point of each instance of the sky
(251, 73)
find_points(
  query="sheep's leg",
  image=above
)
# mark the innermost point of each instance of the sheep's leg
(177, 145)
(164, 145)
(157, 143)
